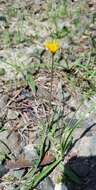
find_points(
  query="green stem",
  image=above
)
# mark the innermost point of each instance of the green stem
(33, 182)
(52, 75)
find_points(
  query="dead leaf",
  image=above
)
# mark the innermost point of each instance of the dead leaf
(18, 164)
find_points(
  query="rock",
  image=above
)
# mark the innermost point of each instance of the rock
(3, 101)
(30, 152)
(6, 70)
(14, 174)
(46, 184)
(12, 114)
(12, 144)
(43, 93)
(63, 23)
(65, 44)
(7, 186)
(38, 1)
(3, 170)
(89, 146)
(60, 186)
(34, 50)
(3, 146)
(62, 93)
(63, 64)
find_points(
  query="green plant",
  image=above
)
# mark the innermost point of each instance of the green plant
(60, 33)
(57, 143)
(10, 38)
(15, 35)
(24, 70)
(12, 11)
(7, 37)
(56, 12)
(50, 142)
(51, 139)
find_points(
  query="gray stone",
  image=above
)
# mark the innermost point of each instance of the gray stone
(46, 184)
(61, 186)
(12, 142)
(63, 64)
(86, 146)
(62, 23)
(3, 170)
(38, 1)
(30, 152)
(62, 93)
(3, 101)
(12, 114)
(65, 44)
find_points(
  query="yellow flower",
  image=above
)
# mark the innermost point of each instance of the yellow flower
(53, 46)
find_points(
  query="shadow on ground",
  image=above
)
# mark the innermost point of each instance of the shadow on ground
(85, 168)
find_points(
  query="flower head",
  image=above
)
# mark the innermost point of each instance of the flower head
(52, 45)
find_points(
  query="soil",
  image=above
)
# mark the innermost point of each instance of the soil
(24, 27)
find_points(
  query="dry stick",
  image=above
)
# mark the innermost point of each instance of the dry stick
(52, 72)
(12, 100)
